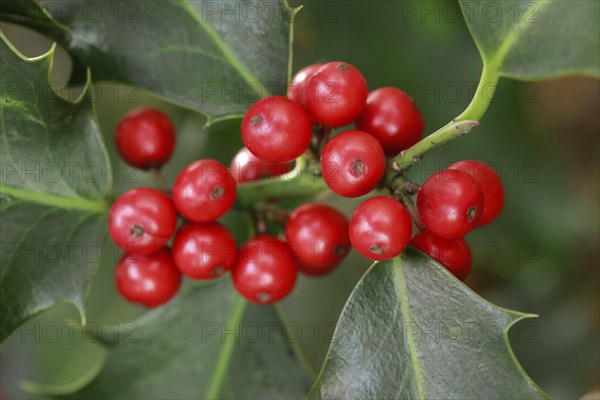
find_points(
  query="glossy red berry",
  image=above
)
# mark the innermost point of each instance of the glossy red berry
(265, 271)
(318, 236)
(150, 280)
(246, 167)
(298, 90)
(450, 203)
(204, 191)
(204, 251)
(490, 184)
(454, 254)
(391, 116)
(353, 163)
(145, 138)
(142, 220)
(276, 129)
(337, 94)
(380, 228)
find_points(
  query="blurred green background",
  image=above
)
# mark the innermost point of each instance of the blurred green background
(541, 256)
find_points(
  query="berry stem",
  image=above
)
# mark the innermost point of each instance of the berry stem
(260, 222)
(442, 136)
(322, 138)
(412, 210)
(297, 182)
(278, 214)
(159, 180)
(401, 183)
(484, 94)
(458, 126)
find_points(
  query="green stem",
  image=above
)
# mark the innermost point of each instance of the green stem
(295, 183)
(442, 136)
(458, 127)
(483, 96)
(275, 212)
(159, 180)
(412, 211)
(400, 183)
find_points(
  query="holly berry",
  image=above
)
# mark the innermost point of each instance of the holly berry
(337, 94)
(450, 203)
(246, 167)
(204, 191)
(276, 129)
(142, 220)
(353, 163)
(150, 279)
(391, 116)
(318, 236)
(145, 138)
(454, 254)
(298, 89)
(380, 228)
(490, 184)
(204, 251)
(265, 271)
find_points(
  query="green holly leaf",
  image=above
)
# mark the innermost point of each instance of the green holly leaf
(538, 39)
(410, 330)
(213, 57)
(206, 343)
(55, 180)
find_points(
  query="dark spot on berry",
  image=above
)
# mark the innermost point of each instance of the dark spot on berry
(136, 231)
(263, 297)
(358, 167)
(342, 67)
(376, 249)
(255, 120)
(339, 250)
(217, 193)
(471, 213)
(217, 271)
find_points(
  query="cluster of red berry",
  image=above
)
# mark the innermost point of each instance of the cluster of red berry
(276, 131)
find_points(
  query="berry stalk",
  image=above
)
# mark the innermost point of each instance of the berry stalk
(159, 180)
(458, 126)
(412, 211)
(293, 184)
(440, 137)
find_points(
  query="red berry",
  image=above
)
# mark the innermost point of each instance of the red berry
(204, 251)
(298, 90)
(490, 184)
(145, 138)
(204, 191)
(353, 163)
(246, 167)
(318, 236)
(337, 94)
(142, 220)
(454, 254)
(265, 271)
(276, 129)
(391, 116)
(150, 280)
(450, 203)
(380, 228)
